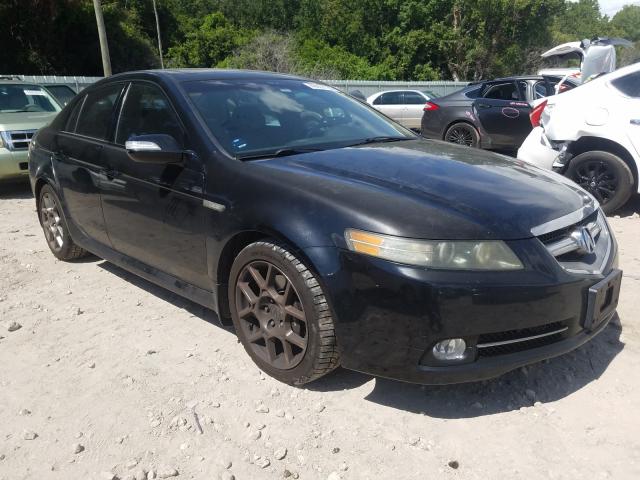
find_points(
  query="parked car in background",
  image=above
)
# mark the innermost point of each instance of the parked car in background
(403, 106)
(492, 114)
(592, 136)
(24, 108)
(325, 233)
(61, 92)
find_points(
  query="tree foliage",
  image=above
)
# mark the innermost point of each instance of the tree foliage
(351, 39)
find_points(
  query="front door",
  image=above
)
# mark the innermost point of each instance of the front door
(154, 212)
(503, 113)
(79, 163)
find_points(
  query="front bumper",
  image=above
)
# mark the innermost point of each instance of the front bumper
(13, 164)
(389, 316)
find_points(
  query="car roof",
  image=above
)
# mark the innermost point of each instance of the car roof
(188, 74)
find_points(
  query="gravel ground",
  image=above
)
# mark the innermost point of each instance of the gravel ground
(109, 377)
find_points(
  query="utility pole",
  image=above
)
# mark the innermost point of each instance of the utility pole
(155, 10)
(102, 34)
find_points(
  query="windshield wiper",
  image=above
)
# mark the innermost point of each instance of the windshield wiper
(380, 139)
(282, 152)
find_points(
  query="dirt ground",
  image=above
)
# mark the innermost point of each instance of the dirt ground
(113, 377)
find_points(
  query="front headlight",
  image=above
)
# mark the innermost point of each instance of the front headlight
(439, 254)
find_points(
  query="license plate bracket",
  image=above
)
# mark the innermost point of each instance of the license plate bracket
(602, 299)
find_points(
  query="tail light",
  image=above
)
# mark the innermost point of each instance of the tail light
(430, 107)
(536, 113)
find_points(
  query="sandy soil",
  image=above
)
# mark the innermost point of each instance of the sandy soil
(114, 368)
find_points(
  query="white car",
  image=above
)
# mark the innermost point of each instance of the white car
(591, 134)
(404, 106)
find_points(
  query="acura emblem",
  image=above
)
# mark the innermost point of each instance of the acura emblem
(584, 240)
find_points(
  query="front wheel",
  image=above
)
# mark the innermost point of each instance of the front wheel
(605, 176)
(462, 134)
(281, 314)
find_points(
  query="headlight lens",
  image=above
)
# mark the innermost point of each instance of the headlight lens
(437, 254)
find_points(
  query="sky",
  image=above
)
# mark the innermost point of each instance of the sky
(610, 7)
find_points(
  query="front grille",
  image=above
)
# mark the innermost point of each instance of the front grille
(512, 341)
(564, 232)
(18, 139)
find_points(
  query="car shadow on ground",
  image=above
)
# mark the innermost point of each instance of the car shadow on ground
(546, 381)
(174, 299)
(630, 208)
(15, 190)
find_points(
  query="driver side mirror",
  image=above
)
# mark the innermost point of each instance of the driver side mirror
(161, 149)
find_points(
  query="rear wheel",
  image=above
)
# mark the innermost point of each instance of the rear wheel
(605, 176)
(55, 227)
(281, 314)
(462, 134)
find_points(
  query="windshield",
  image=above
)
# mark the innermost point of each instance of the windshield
(25, 98)
(273, 116)
(62, 93)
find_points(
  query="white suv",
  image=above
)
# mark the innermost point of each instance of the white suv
(591, 134)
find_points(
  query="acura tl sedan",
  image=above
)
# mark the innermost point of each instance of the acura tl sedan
(325, 233)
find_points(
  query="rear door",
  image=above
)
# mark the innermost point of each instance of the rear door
(413, 109)
(78, 159)
(154, 212)
(391, 104)
(629, 85)
(503, 112)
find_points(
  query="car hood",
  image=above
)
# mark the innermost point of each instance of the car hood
(432, 189)
(25, 120)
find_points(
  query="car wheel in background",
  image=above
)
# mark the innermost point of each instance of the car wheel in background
(605, 176)
(281, 314)
(55, 227)
(462, 134)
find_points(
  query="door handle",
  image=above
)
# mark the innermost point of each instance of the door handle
(109, 172)
(483, 105)
(635, 121)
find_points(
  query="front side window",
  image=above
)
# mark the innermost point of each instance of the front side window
(629, 85)
(96, 116)
(17, 98)
(147, 111)
(266, 116)
(414, 98)
(502, 91)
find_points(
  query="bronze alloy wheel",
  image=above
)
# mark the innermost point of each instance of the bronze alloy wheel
(271, 315)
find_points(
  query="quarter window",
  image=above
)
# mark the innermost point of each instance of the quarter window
(97, 114)
(629, 84)
(147, 111)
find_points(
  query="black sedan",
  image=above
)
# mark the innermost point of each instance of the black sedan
(325, 233)
(493, 115)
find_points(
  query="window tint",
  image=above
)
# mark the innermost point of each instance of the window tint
(17, 98)
(474, 92)
(389, 98)
(629, 84)
(413, 98)
(147, 111)
(502, 91)
(97, 112)
(72, 121)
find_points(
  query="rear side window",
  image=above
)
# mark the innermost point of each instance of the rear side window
(147, 111)
(413, 98)
(540, 90)
(97, 113)
(502, 91)
(389, 98)
(628, 85)
(72, 121)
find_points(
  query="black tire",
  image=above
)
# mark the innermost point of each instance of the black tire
(462, 133)
(270, 335)
(605, 176)
(54, 226)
